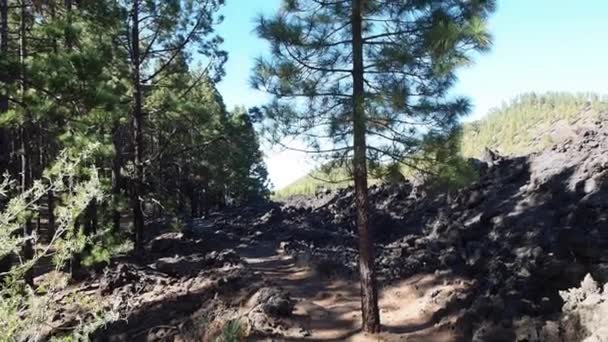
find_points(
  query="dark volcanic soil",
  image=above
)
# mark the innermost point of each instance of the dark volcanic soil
(485, 263)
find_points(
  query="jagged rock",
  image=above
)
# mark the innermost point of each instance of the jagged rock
(189, 265)
(272, 216)
(165, 242)
(490, 157)
(493, 332)
(181, 265)
(274, 301)
(529, 227)
(585, 311)
(475, 198)
(119, 276)
(173, 243)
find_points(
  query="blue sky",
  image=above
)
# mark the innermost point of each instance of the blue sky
(539, 45)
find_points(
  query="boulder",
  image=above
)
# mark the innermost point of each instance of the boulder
(274, 301)
(180, 266)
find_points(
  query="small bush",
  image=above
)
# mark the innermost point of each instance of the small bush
(233, 331)
(24, 309)
(107, 244)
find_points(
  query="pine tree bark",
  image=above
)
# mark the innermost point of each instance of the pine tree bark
(76, 259)
(116, 178)
(37, 168)
(367, 273)
(5, 139)
(28, 251)
(4, 79)
(137, 121)
(50, 198)
(90, 219)
(4, 76)
(68, 36)
(4, 51)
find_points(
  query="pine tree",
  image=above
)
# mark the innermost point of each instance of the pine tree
(70, 96)
(4, 80)
(156, 34)
(248, 175)
(186, 124)
(364, 80)
(25, 129)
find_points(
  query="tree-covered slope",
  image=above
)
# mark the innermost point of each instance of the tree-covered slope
(313, 181)
(528, 123)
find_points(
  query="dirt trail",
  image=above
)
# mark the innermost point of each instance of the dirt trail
(328, 308)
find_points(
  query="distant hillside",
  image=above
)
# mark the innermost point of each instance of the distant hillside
(531, 122)
(528, 123)
(308, 184)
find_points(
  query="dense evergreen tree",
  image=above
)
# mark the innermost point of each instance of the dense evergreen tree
(364, 80)
(63, 91)
(84, 87)
(156, 35)
(248, 176)
(70, 77)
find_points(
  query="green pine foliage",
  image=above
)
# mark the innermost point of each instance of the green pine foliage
(523, 124)
(24, 310)
(518, 127)
(67, 83)
(246, 169)
(411, 51)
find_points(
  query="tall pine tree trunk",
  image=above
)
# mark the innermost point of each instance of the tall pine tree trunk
(76, 258)
(137, 120)
(37, 172)
(116, 178)
(4, 79)
(193, 202)
(27, 251)
(90, 219)
(4, 52)
(367, 273)
(46, 155)
(26, 169)
(50, 200)
(68, 14)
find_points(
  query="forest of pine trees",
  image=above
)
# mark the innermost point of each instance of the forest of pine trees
(134, 205)
(515, 127)
(110, 115)
(122, 75)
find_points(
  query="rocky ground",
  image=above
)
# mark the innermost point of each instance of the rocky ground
(485, 263)
(530, 226)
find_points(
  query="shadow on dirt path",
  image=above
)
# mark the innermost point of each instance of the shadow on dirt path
(420, 308)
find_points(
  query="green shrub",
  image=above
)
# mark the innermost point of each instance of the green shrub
(233, 331)
(106, 245)
(25, 310)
